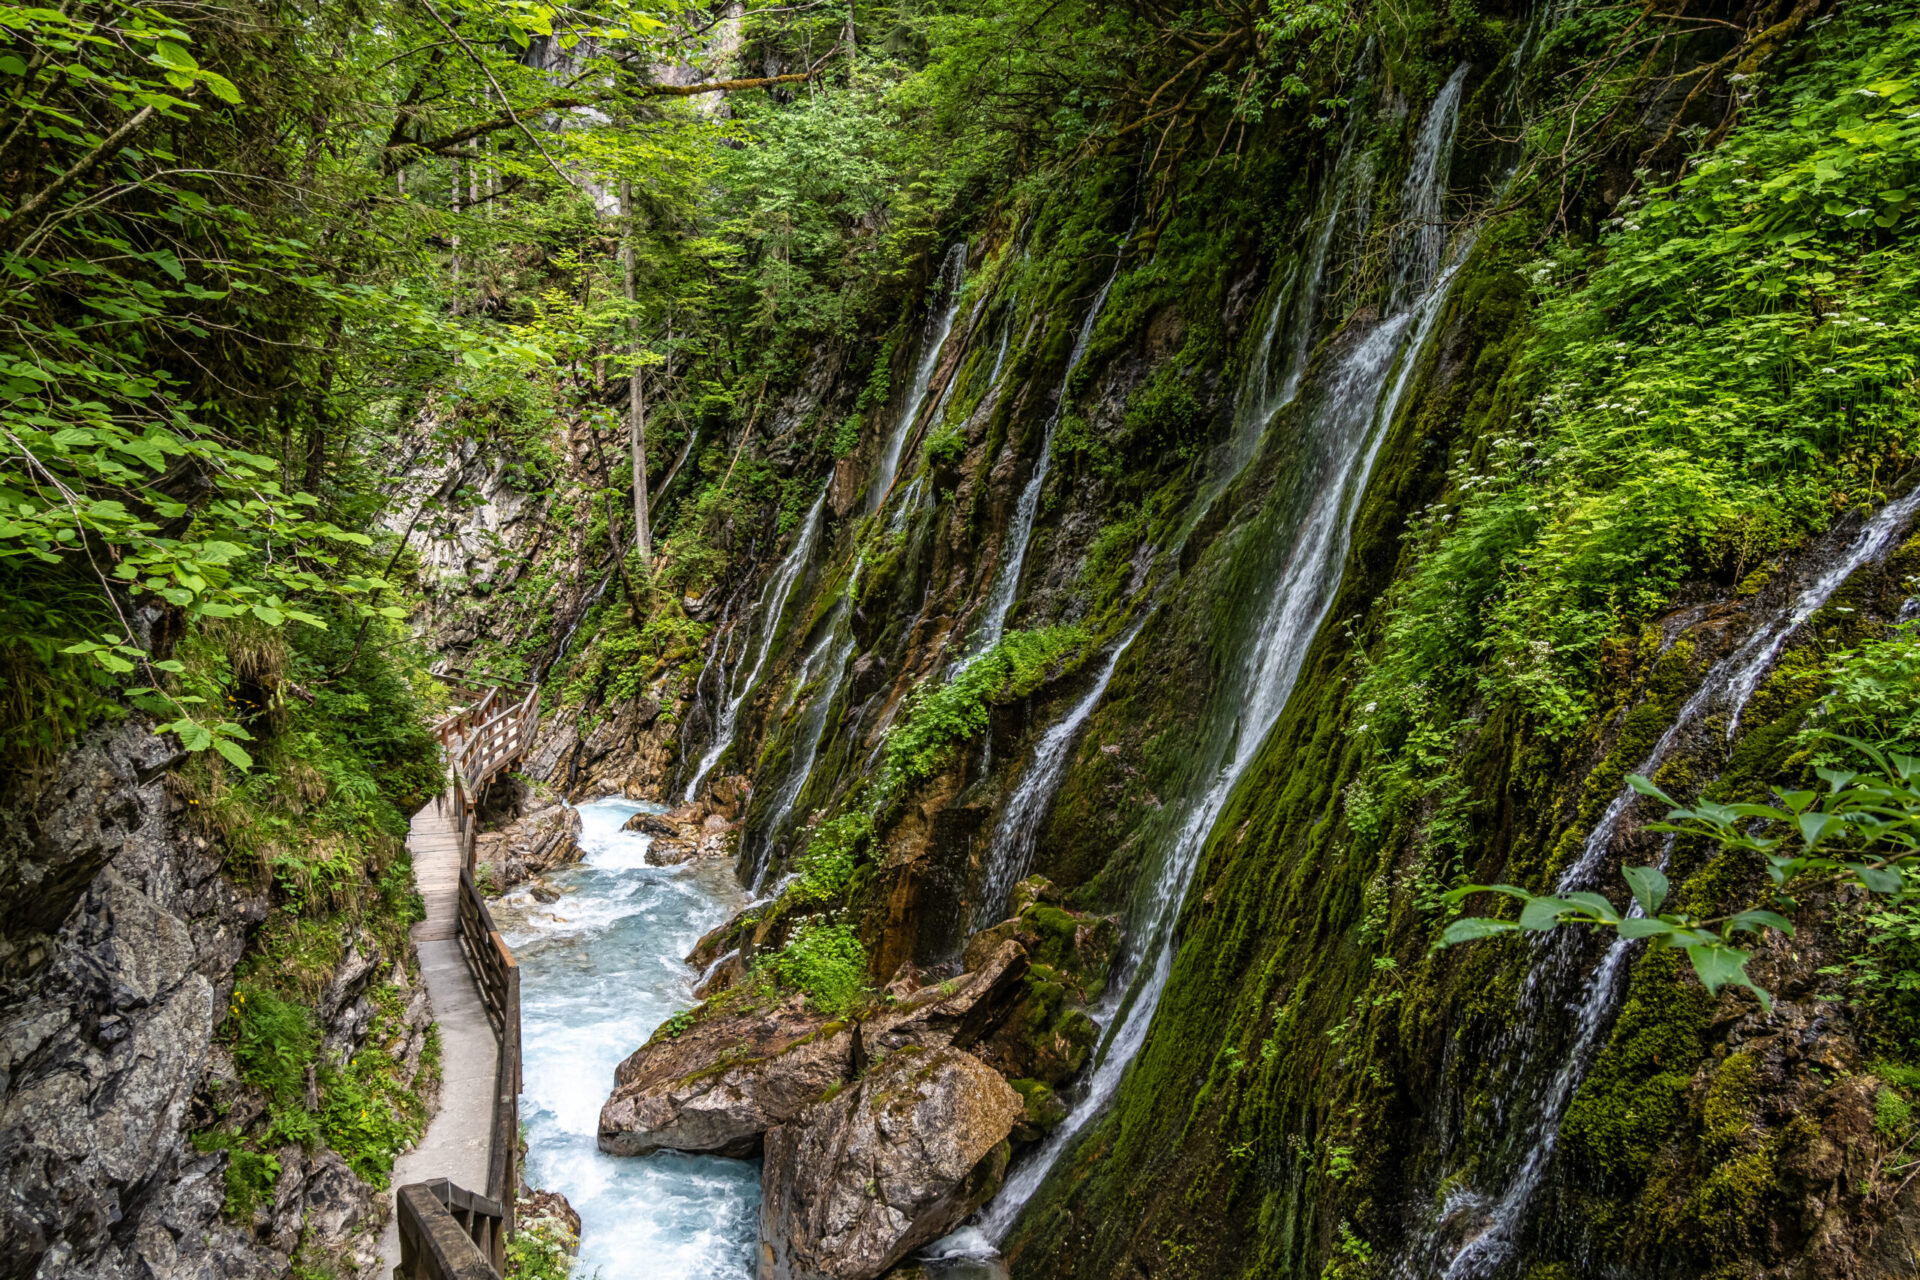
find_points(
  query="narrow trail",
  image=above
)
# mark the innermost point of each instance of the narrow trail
(456, 1144)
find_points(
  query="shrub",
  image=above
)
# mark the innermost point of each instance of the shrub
(827, 962)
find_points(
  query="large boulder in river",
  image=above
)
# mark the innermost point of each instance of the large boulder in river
(670, 853)
(719, 1083)
(650, 824)
(540, 840)
(861, 1179)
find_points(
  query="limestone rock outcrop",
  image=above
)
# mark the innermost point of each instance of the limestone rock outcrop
(540, 840)
(718, 1084)
(861, 1179)
(957, 1012)
(116, 963)
(650, 824)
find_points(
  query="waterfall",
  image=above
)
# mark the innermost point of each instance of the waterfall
(1006, 582)
(836, 647)
(1306, 309)
(952, 271)
(693, 438)
(1000, 356)
(1423, 235)
(1032, 799)
(1255, 403)
(778, 591)
(723, 640)
(566, 641)
(830, 657)
(1729, 682)
(1332, 460)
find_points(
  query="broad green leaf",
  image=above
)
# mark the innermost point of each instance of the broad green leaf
(1884, 880)
(1649, 885)
(1753, 921)
(1815, 827)
(1543, 913)
(233, 752)
(1719, 965)
(1473, 928)
(224, 90)
(1597, 905)
(173, 57)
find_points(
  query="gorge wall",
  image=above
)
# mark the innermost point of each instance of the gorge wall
(1179, 555)
(1138, 575)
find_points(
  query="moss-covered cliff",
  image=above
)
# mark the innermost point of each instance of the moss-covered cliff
(1386, 472)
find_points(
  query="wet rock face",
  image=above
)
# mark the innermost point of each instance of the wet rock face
(862, 1179)
(1046, 1037)
(540, 840)
(698, 830)
(106, 1042)
(724, 1081)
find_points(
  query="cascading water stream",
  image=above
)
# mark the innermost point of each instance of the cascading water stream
(1027, 807)
(1006, 582)
(778, 591)
(1305, 310)
(566, 641)
(1255, 405)
(1333, 460)
(1423, 240)
(693, 438)
(724, 639)
(952, 274)
(830, 657)
(1000, 356)
(838, 643)
(1730, 682)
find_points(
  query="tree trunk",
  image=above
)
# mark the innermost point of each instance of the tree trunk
(454, 257)
(636, 398)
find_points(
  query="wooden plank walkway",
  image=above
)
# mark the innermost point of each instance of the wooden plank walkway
(456, 1144)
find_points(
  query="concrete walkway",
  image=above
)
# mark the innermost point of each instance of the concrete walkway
(457, 1138)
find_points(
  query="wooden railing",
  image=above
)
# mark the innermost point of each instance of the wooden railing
(498, 977)
(482, 739)
(448, 1232)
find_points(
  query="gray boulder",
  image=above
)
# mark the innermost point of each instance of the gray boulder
(650, 824)
(858, 1181)
(537, 842)
(723, 1081)
(670, 853)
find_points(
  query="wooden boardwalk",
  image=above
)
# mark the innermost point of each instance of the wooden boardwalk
(457, 1141)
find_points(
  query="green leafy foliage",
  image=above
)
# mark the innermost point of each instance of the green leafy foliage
(1863, 827)
(1726, 370)
(274, 1042)
(1873, 693)
(827, 962)
(541, 1248)
(942, 718)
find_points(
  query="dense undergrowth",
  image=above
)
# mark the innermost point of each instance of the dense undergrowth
(1617, 426)
(316, 826)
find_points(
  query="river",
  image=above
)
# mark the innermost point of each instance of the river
(599, 970)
